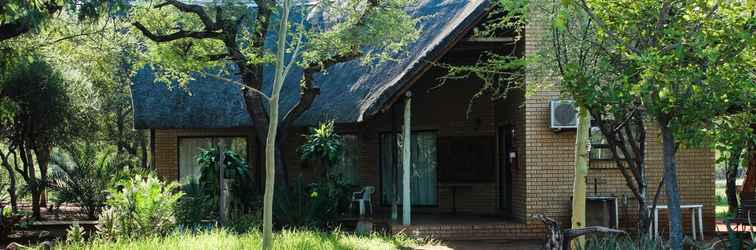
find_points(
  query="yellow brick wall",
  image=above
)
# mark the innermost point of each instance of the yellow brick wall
(549, 161)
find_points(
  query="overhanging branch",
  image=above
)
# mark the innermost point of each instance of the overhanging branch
(176, 35)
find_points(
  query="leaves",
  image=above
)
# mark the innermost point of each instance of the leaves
(322, 143)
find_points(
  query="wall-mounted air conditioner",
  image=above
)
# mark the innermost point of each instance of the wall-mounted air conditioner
(563, 114)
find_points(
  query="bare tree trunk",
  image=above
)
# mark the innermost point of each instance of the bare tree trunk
(731, 177)
(671, 188)
(270, 145)
(581, 172)
(43, 156)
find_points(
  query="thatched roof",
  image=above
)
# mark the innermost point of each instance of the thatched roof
(350, 92)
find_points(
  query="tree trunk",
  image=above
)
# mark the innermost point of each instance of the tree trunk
(581, 172)
(143, 149)
(731, 177)
(671, 188)
(270, 145)
(43, 156)
(11, 186)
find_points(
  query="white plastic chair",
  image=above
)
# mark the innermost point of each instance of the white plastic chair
(363, 199)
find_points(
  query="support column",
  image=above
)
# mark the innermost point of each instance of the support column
(406, 160)
(222, 182)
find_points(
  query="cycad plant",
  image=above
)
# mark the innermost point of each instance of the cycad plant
(323, 144)
(83, 174)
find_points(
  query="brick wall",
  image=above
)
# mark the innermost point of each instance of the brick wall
(549, 161)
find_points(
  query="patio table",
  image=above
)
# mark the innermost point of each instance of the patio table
(693, 209)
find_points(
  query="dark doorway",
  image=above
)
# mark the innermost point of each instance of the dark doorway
(505, 136)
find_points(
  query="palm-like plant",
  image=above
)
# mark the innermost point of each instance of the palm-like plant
(322, 143)
(83, 174)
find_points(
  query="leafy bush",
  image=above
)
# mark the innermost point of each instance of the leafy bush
(244, 222)
(75, 234)
(314, 206)
(144, 206)
(323, 144)
(81, 174)
(193, 207)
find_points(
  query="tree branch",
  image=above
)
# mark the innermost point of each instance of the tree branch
(176, 35)
(197, 10)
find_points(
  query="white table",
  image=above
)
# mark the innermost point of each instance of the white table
(693, 209)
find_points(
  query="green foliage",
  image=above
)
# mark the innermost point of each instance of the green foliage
(84, 174)
(75, 234)
(23, 16)
(322, 143)
(44, 112)
(193, 207)
(621, 243)
(241, 186)
(144, 206)
(312, 206)
(378, 35)
(246, 222)
(222, 239)
(8, 222)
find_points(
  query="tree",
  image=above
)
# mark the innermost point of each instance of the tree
(616, 115)
(18, 17)
(231, 38)
(581, 172)
(733, 137)
(44, 118)
(104, 56)
(197, 39)
(678, 64)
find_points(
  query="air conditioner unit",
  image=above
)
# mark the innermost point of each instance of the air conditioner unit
(563, 114)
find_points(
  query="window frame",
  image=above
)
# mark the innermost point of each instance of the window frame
(605, 146)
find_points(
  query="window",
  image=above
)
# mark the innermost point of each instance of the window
(348, 165)
(600, 148)
(190, 148)
(423, 170)
(467, 159)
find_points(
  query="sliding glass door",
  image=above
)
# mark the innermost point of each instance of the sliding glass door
(423, 170)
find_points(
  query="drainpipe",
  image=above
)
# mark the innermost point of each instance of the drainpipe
(406, 160)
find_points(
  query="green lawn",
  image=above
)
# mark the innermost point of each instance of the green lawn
(288, 239)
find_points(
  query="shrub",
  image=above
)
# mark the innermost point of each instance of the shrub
(81, 174)
(194, 206)
(314, 206)
(144, 206)
(322, 144)
(75, 234)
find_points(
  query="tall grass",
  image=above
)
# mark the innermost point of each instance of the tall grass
(221, 239)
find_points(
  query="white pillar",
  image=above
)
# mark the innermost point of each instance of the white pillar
(406, 161)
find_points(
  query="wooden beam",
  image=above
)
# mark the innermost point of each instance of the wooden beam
(406, 160)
